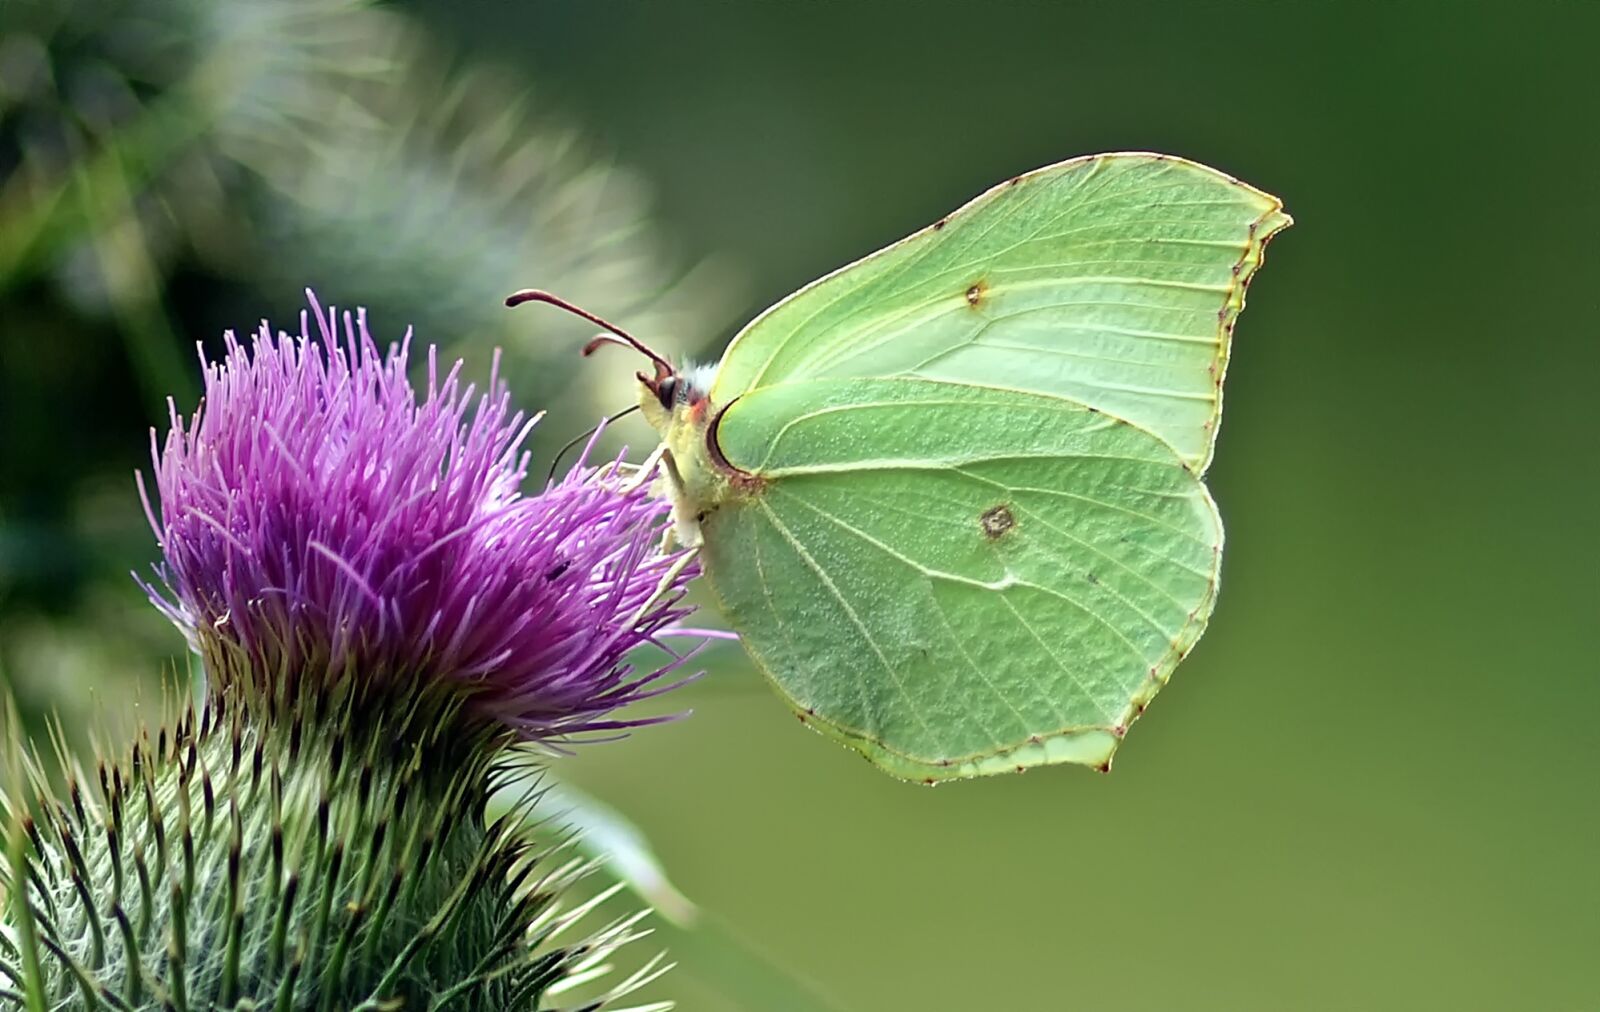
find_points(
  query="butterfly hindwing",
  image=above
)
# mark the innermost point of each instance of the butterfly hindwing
(957, 579)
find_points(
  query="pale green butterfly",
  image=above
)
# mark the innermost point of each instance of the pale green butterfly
(949, 495)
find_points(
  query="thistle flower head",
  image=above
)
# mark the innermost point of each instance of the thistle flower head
(321, 519)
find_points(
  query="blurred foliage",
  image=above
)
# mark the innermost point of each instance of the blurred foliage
(1372, 785)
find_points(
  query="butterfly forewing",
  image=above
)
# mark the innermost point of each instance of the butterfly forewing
(1112, 280)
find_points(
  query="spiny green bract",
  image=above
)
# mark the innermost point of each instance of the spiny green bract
(333, 857)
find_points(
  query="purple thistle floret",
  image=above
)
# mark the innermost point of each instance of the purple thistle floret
(318, 519)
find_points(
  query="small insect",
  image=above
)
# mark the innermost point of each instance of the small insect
(950, 495)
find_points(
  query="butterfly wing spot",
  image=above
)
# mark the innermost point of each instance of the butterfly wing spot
(976, 292)
(996, 520)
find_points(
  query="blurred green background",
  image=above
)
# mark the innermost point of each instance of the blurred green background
(1375, 785)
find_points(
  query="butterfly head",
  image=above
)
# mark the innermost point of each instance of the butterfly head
(674, 397)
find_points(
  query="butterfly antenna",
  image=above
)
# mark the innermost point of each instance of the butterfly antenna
(663, 367)
(580, 438)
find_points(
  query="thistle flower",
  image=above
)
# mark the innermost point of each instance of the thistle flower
(320, 520)
(366, 583)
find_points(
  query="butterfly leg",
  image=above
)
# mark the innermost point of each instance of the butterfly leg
(685, 529)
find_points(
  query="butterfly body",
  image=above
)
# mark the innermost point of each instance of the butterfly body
(697, 482)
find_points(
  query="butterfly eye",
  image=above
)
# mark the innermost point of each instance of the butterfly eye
(667, 391)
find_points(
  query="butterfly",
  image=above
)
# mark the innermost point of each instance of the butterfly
(950, 495)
